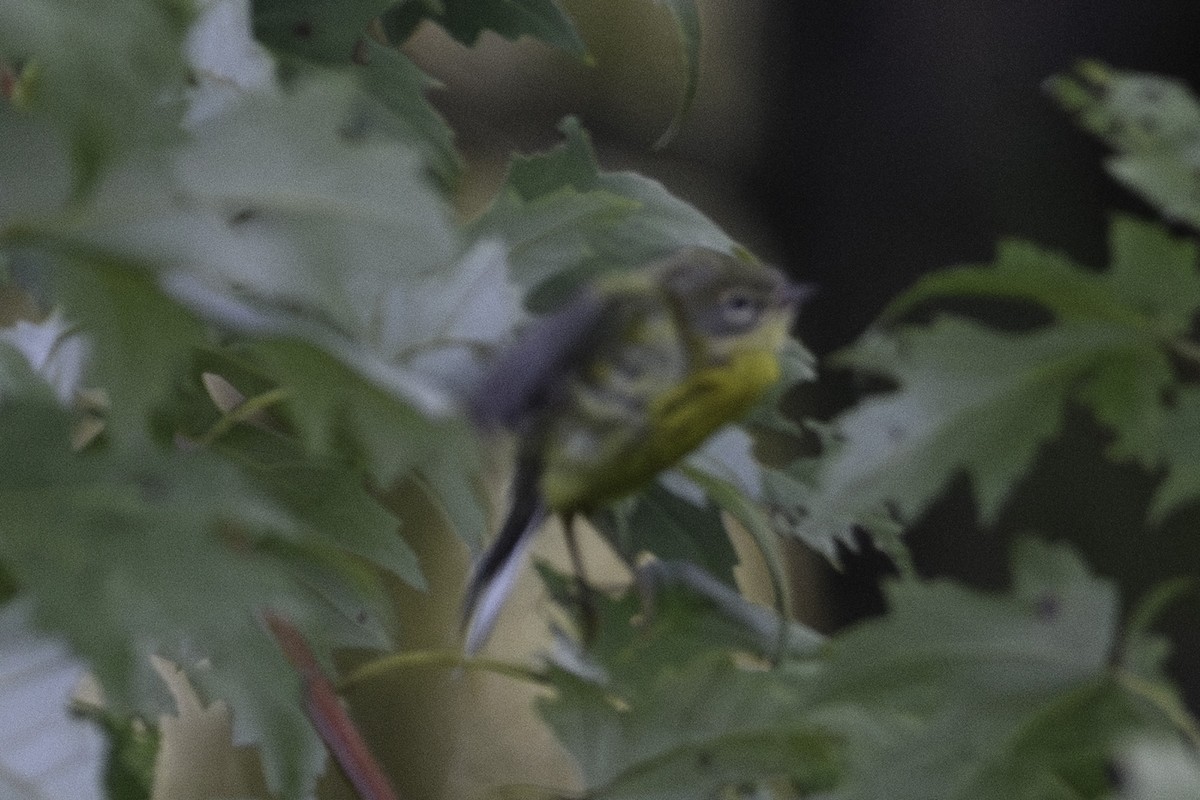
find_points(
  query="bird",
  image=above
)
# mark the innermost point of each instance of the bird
(636, 370)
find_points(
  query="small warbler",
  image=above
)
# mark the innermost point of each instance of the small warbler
(632, 374)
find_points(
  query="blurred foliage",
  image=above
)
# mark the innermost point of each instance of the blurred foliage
(281, 310)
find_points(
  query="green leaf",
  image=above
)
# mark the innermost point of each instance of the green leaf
(295, 176)
(1141, 666)
(335, 33)
(1024, 271)
(553, 235)
(294, 198)
(140, 338)
(665, 711)
(109, 74)
(754, 520)
(1125, 394)
(130, 771)
(1155, 273)
(1152, 283)
(956, 694)
(572, 163)
(1180, 447)
(1038, 747)
(35, 174)
(338, 414)
(137, 538)
(955, 411)
(323, 31)
(330, 498)
(940, 640)
(687, 21)
(659, 522)
(662, 224)
(1119, 332)
(1151, 121)
(383, 288)
(285, 218)
(697, 729)
(564, 220)
(399, 85)
(282, 218)
(465, 20)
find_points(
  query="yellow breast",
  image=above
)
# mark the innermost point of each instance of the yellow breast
(587, 464)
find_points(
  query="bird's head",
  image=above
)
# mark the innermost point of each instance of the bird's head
(732, 304)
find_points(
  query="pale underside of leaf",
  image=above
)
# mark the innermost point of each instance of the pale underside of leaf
(45, 752)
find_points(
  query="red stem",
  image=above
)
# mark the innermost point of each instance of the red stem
(325, 710)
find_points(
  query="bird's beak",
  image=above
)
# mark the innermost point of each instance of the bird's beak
(793, 295)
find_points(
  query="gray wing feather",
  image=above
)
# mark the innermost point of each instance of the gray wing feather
(525, 376)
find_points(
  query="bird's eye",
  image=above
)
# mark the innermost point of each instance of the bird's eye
(740, 308)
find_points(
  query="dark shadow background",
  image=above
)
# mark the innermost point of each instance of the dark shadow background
(904, 137)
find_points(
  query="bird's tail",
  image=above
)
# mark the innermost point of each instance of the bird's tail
(496, 571)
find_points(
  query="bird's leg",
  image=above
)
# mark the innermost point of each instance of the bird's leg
(644, 583)
(587, 603)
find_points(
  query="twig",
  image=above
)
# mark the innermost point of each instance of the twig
(324, 709)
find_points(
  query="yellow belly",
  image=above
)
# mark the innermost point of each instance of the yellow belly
(605, 463)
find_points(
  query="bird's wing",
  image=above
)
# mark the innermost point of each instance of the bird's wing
(522, 379)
